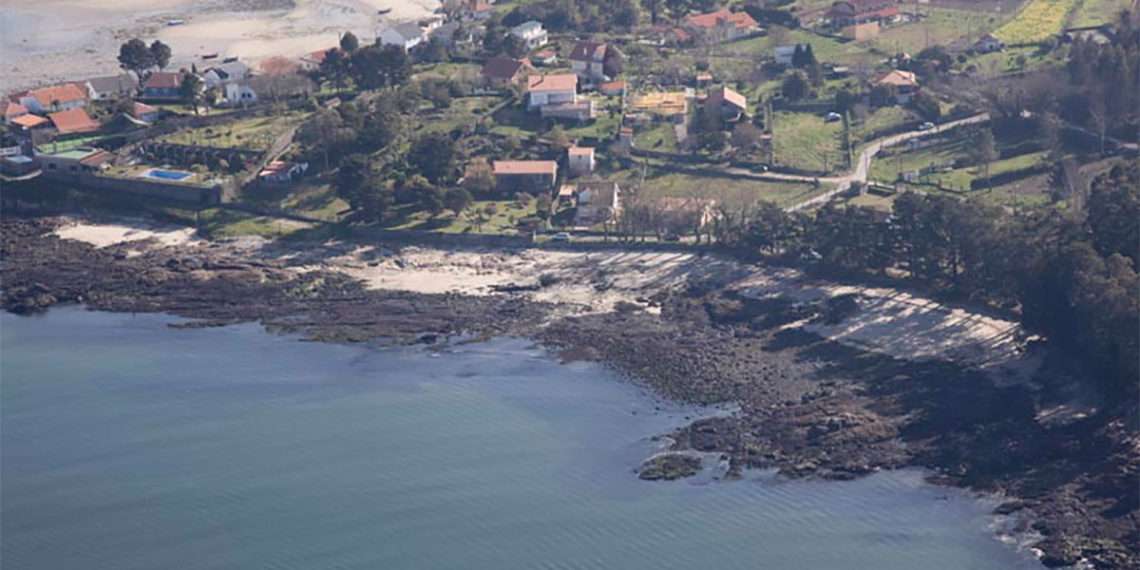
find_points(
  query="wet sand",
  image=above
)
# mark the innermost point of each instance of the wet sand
(59, 40)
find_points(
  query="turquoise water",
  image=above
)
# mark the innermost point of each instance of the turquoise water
(126, 444)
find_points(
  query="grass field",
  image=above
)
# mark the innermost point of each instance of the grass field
(734, 192)
(1096, 12)
(886, 169)
(941, 26)
(464, 111)
(660, 137)
(518, 122)
(1037, 21)
(255, 133)
(503, 220)
(804, 140)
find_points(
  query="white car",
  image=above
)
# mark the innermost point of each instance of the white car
(833, 117)
(560, 236)
(926, 126)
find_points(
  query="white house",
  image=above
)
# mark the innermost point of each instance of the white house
(225, 73)
(406, 35)
(238, 93)
(580, 160)
(531, 34)
(598, 201)
(588, 60)
(785, 54)
(112, 87)
(559, 89)
(281, 172)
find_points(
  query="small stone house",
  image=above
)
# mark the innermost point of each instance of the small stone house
(580, 160)
(532, 176)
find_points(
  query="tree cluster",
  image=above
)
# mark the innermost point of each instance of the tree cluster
(135, 55)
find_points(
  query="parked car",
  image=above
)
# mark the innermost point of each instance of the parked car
(671, 237)
(926, 126)
(833, 117)
(561, 237)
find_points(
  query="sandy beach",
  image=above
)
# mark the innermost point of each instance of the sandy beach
(60, 40)
(888, 321)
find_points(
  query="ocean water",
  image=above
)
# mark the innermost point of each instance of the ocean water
(126, 444)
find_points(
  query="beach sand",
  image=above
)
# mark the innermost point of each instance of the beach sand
(888, 321)
(62, 40)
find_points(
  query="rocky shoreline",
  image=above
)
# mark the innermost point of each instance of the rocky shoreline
(809, 406)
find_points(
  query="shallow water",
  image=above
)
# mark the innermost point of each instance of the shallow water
(126, 444)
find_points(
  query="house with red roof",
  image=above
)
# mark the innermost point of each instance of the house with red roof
(10, 110)
(555, 89)
(502, 72)
(729, 103)
(54, 98)
(533, 176)
(73, 122)
(854, 12)
(721, 26)
(163, 86)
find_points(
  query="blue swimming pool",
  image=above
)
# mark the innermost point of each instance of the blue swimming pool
(166, 174)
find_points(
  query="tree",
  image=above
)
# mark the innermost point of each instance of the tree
(321, 131)
(433, 156)
(457, 200)
(134, 55)
(614, 62)
(746, 136)
(191, 90)
(795, 86)
(335, 67)
(159, 54)
(479, 178)
(627, 13)
(926, 106)
(429, 196)
(435, 51)
(558, 137)
(351, 180)
(349, 43)
(845, 100)
(376, 67)
(984, 151)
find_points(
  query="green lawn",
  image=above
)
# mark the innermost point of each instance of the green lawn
(660, 137)
(307, 198)
(504, 219)
(825, 49)
(886, 168)
(726, 190)
(1096, 12)
(256, 133)
(805, 140)
(464, 111)
(941, 26)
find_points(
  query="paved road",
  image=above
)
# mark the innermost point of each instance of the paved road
(862, 167)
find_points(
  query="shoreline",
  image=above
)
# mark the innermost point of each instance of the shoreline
(815, 401)
(64, 40)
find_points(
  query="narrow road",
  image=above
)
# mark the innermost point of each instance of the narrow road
(862, 167)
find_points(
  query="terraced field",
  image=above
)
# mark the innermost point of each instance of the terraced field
(1038, 21)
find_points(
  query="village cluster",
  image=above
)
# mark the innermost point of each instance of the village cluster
(686, 113)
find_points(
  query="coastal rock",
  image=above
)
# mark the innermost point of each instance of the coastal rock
(669, 466)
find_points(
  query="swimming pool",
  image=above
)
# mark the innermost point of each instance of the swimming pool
(160, 174)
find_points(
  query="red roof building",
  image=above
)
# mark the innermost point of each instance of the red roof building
(722, 25)
(73, 121)
(852, 12)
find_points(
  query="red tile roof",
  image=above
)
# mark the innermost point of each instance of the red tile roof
(13, 109)
(73, 121)
(899, 78)
(612, 86)
(741, 19)
(163, 80)
(141, 109)
(726, 95)
(588, 51)
(97, 158)
(558, 82)
(503, 68)
(66, 93)
(508, 167)
(30, 121)
(580, 151)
